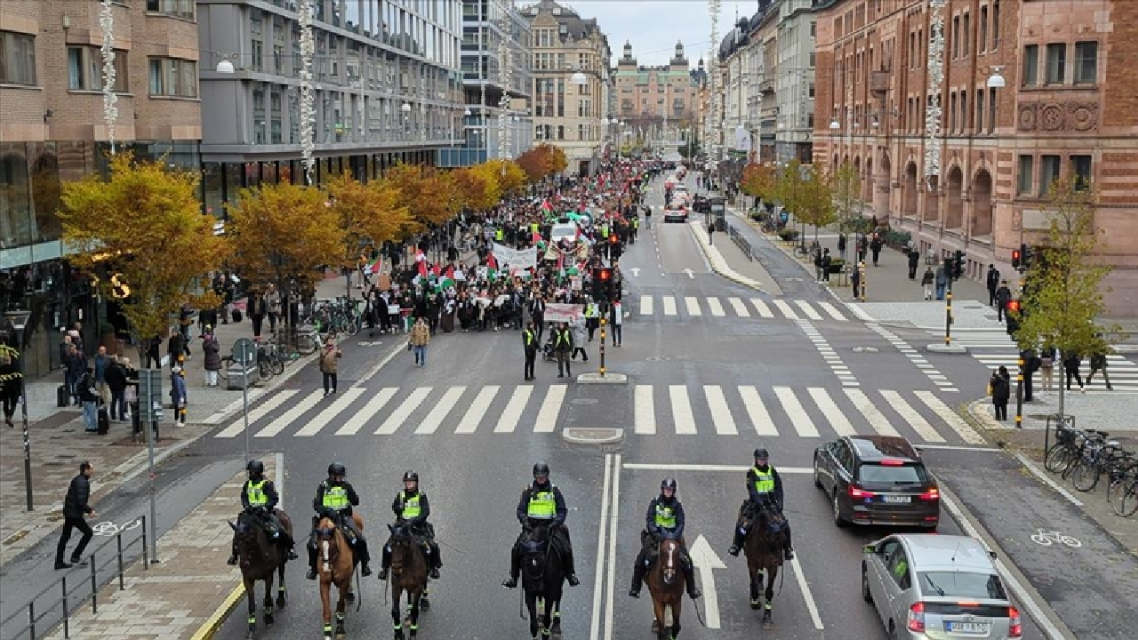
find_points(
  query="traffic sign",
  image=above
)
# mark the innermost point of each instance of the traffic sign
(149, 395)
(245, 351)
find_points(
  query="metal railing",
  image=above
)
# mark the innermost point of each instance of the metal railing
(741, 242)
(56, 603)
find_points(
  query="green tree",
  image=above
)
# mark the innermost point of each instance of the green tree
(760, 181)
(847, 189)
(143, 237)
(816, 199)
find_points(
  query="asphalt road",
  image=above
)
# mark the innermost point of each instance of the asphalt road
(472, 429)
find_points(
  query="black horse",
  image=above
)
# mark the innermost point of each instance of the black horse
(260, 559)
(763, 547)
(408, 575)
(543, 581)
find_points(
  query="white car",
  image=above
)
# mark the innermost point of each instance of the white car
(675, 215)
(563, 231)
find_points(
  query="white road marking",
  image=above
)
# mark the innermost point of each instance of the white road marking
(910, 416)
(785, 309)
(262, 410)
(692, 304)
(834, 415)
(808, 310)
(962, 428)
(512, 414)
(716, 307)
(644, 410)
(762, 308)
(712, 468)
(614, 518)
(834, 313)
(602, 531)
(439, 412)
(811, 605)
(872, 414)
(342, 401)
(293, 413)
(798, 416)
(646, 305)
(739, 308)
(681, 410)
(477, 409)
(757, 411)
(720, 413)
(550, 409)
(367, 412)
(403, 411)
(669, 306)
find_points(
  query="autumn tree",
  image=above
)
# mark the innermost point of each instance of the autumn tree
(431, 197)
(142, 233)
(806, 193)
(478, 187)
(760, 181)
(535, 163)
(847, 188)
(511, 178)
(368, 213)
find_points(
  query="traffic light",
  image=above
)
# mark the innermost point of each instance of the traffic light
(1014, 306)
(958, 271)
(1028, 255)
(1012, 317)
(1017, 258)
(602, 283)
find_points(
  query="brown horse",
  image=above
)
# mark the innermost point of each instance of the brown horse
(666, 582)
(408, 575)
(766, 539)
(335, 563)
(260, 559)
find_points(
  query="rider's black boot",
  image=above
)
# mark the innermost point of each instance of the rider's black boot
(788, 552)
(384, 563)
(637, 577)
(689, 576)
(232, 555)
(572, 570)
(433, 560)
(365, 557)
(311, 575)
(737, 541)
(515, 569)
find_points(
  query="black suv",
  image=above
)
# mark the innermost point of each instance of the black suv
(877, 480)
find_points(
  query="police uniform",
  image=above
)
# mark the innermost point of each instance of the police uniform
(259, 495)
(335, 499)
(663, 520)
(412, 508)
(542, 505)
(529, 344)
(764, 486)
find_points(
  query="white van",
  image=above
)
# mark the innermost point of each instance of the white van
(563, 231)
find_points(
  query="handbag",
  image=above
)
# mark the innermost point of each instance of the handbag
(989, 389)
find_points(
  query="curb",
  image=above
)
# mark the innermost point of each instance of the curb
(719, 265)
(220, 615)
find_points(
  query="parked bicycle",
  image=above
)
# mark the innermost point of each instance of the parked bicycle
(1085, 455)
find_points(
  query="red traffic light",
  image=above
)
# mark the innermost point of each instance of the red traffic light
(1017, 257)
(613, 239)
(604, 274)
(1013, 305)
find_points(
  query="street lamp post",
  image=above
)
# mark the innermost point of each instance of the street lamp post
(19, 320)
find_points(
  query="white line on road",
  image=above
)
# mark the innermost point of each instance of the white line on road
(367, 412)
(716, 307)
(324, 417)
(910, 416)
(809, 597)
(379, 365)
(808, 310)
(956, 447)
(739, 308)
(614, 516)
(278, 472)
(550, 408)
(669, 306)
(785, 309)
(834, 313)
(293, 413)
(598, 574)
(646, 305)
(872, 414)
(834, 415)
(720, 413)
(681, 410)
(798, 416)
(711, 468)
(757, 411)
(692, 304)
(1048, 481)
(237, 428)
(762, 308)
(403, 411)
(962, 428)
(644, 410)
(477, 409)
(434, 419)
(512, 414)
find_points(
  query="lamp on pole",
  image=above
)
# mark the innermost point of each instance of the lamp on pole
(19, 320)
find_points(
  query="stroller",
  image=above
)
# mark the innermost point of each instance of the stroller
(547, 352)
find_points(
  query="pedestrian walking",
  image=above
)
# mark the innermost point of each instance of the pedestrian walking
(420, 338)
(842, 246)
(914, 262)
(89, 396)
(855, 281)
(875, 248)
(941, 282)
(1000, 386)
(179, 396)
(616, 321)
(75, 511)
(579, 331)
(563, 346)
(1098, 363)
(329, 364)
(211, 357)
(1003, 297)
(11, 385)
(1071, 364)
(993, 282)
(827, 260)
(529, 347)
(1047, 367)
(927, 282)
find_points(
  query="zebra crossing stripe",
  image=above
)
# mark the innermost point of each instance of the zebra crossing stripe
(343, 401)
(646, 303)
(292, 413)
(739, 308)
(262, 410)
(439, 412)
(681, 410)
(838, 420)
(762, 308)
(550, 409)
(798, 416)
(757, 411)
(962, 428)
(910, 416)
(669, 306)
(367, 412)
(644, 410)
(403, 411)
(692, 304)
(808, 310)
(512, 414)
(871, 413)
(477, 409)
(716, 307)
(834, 313)
(785, 309)
(720, 413)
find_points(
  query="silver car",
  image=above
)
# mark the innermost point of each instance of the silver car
(937, 587)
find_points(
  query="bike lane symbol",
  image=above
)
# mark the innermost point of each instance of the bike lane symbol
(110, 529)
(1047, 538)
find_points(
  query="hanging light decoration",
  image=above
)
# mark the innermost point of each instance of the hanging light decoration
(110, 98)
(307, 91)
(506, 78)
(933, 111)
(711, 128)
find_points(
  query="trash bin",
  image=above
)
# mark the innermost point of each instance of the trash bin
(241, 375)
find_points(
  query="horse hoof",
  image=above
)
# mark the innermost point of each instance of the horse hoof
(282, 601)
(341, 634)
(424, 604)
(251, 635)
(756, 605)
(350, 596)
(655, 627)
(269, 620)
(399, 635)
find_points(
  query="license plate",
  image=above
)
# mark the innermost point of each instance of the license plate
(896, 499)
(969, 628)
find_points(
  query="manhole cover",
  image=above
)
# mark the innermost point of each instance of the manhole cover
(865, 349)
(592, 435)
(585, 401)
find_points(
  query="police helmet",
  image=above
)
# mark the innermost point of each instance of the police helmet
(337, 469)
(761, 453)
(255, 467)
(411, 476)
(540, 469)
(668, 483)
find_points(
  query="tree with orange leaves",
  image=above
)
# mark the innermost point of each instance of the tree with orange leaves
(478, 187)
(369, 213)
(431, 197)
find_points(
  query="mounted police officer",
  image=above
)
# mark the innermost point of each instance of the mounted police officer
(542, 504)
(765, 488)
(334, 499)
(664, 520)
(259, 497)
(412, 509)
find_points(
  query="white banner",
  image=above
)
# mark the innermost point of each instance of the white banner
(526, 259)
(561, 312)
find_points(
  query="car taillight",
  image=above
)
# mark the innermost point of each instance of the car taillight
(916, 620)
(931, 494)
(855, 492)
(1015, 626)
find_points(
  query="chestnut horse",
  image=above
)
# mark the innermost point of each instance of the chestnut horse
(766, 539)
(408, 575)
(335, 562)
(666, 582)
(260, 559)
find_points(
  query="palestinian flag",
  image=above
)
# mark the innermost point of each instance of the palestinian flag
(448, 278)
(491, 266)
(375, 265)
(421, 258)
(560, 266)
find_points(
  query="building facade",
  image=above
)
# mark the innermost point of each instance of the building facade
(571, 83)
(658, 103)
(388, 88)
(54, 130)
(1067, 107)
(495, 115)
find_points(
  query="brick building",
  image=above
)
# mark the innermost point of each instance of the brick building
(1069, 106)
(53, 130)
(659, 101)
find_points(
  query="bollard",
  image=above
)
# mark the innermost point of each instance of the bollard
(604, 321)
(1019, 392)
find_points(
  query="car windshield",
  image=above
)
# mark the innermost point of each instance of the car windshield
(960, 584)
(890, 474)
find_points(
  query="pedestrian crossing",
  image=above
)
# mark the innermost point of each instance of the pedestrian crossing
(737, 307)
(810, 413)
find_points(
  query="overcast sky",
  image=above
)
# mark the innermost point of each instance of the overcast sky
(654, 26)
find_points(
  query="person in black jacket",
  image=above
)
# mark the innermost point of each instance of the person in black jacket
(411, 509)
(75, 510)
(664, 520)
(764, 490)
(11, 384)
(334, 499)
(541, 504)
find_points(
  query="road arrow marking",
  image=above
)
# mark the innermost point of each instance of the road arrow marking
(635, 272)
(704, 557)
(690, 274)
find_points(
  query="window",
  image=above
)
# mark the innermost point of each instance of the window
(1086, 62)
(952, 112)
(1025, 175)
(982, 41)
(966, 35)
(956, 37)
(979, 102)
(995, 25)
(17, 58)
(176, 8)
(963, 111)
(1031, 65)
(258, 55)
(991, 110)
(1049, 173)
(813, 29)
(1081, 172)
(85, 69)
(173, 77)
(1056, 63)
(810, 92)
(812, 56)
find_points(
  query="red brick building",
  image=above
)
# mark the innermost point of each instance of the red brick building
(1069, 106)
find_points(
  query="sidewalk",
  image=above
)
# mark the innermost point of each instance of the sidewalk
(180, 597)
(729, 261)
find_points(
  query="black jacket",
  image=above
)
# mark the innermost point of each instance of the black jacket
(993, 279)
(424, 507)
(523, 503)
(677, 509)
(318, 501)
(756, 497)
(270, 492)
(78, 493)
